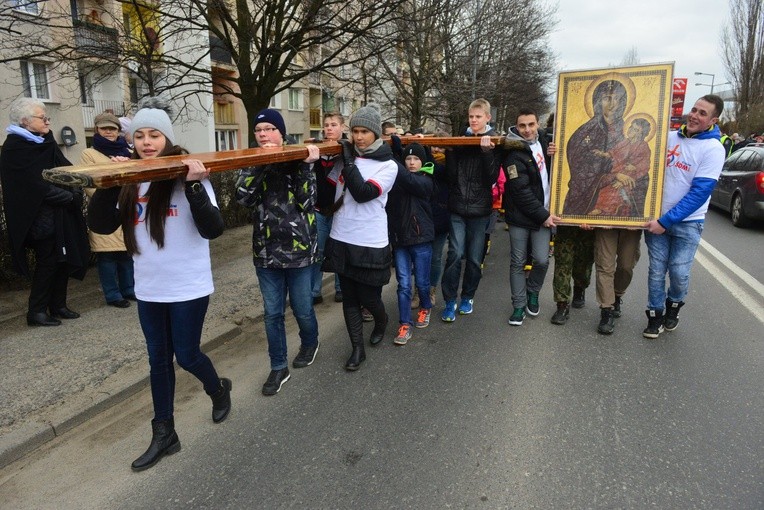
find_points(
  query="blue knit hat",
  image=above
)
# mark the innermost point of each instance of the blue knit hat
(271, 117)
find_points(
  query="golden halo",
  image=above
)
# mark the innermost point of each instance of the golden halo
(631, 91)
(645, 116)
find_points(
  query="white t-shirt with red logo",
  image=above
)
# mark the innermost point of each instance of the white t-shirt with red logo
(181, 271)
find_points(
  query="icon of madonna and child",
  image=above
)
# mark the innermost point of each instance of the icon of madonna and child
(608, 156)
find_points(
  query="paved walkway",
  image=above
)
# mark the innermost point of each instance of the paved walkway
(56, 378)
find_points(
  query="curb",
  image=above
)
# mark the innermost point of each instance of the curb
(31, 436)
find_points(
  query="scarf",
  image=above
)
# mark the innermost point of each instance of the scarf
(106, 147)
(27, 135)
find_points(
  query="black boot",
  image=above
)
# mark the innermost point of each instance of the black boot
(378, 333)
(607, 322)
(163, 442)
(671, 319)
(221, 401)
(354, 324)
(654, 324)
(579, 297)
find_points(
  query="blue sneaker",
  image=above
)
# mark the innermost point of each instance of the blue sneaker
(449, 313)
(465, 307)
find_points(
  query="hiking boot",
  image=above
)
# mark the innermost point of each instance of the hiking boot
(617, 307)
(607, 322)
(517, 317)
(404, 335)
(465, 307)
(306, 356)
(432, 296)
(579, 297)
(449, 312)
(654, 324)
(415, 300)
(671, 319)
(560, 317)
(532, 306)
(276, 380)
(422, 318)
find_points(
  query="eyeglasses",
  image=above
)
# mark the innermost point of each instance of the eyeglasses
(42, 118)
(266, 130)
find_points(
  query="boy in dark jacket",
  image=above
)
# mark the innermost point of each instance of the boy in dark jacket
(411, 229)
(471, 173)
(527, 165)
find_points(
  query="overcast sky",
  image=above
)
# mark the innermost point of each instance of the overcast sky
(595, 33)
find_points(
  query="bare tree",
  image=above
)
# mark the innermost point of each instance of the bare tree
(631, 57)
(742, 47)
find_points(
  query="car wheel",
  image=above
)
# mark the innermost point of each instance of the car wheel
(739, 219)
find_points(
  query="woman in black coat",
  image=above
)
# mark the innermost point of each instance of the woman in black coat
(41, 216)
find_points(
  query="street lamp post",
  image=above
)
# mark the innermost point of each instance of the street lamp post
(706, 84)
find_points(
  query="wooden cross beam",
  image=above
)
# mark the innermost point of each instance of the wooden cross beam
(108, 175)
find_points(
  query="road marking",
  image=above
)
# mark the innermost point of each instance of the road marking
(741, 294)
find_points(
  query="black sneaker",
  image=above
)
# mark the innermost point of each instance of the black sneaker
(275, 381)
(654, 324)
(671, 319)
(306, 356)
(607, 322)
(579, 297)
(617, 307)
(560, 317)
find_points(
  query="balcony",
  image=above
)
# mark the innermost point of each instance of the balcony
(94, 39)
(98, 106)
(315, 118)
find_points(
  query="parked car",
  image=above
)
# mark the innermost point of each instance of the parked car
(740, 189)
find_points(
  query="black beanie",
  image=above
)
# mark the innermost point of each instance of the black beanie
(272, 117)
(414, 149)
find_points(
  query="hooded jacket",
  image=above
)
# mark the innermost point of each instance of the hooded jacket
(524, 191)
(471, 172)
(409, 209)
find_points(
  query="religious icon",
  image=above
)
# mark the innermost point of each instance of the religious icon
(611, 129)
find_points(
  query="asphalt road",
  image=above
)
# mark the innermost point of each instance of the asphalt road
(474, 414)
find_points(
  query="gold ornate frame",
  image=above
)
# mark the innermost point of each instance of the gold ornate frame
(594, 147)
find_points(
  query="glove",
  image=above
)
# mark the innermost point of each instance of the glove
(348, 152)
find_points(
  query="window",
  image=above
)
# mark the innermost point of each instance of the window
(86, 89)
(27, 6)
(295, 99)
(225, 139)
(276, 101)
(297, 137)
(34, 76)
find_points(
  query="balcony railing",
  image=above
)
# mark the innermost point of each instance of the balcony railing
(94, 39)
(100, 106)
(315, 118)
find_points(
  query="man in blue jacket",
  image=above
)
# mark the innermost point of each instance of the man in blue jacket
(693, 164)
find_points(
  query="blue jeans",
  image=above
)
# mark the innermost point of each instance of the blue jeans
(115, 272)
(671, 252)
(175, 329)
(465, 239)
(518, 240)
(436, 265)
(324, 227)
(275, 285)
(418, 255)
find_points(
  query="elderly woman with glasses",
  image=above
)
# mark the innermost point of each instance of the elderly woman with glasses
(39, 215)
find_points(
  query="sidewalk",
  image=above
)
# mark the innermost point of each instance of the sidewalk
(56, 378)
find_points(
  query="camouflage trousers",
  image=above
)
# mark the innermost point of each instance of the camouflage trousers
(573, 259)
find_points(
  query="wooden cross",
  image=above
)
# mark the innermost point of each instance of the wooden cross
(108, 175)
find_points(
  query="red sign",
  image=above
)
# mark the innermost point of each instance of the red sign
(677, 96)
(680, 86)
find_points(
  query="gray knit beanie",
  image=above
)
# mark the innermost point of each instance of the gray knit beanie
(368, 117)
(153, 114)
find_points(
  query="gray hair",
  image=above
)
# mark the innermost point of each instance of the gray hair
(23, 108)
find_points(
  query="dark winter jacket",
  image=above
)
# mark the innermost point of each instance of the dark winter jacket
(409, 211)
(471, 173)
(523, 191)
(282, 197)
(441, 218)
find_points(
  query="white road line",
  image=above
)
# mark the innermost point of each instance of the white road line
(741, 294)
(739, 272)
